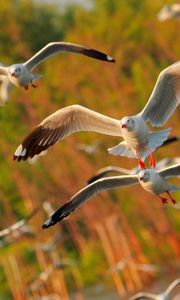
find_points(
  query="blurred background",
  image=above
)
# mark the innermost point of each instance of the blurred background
(121, 241)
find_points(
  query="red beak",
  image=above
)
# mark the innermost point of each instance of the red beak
(123, 125)
(141, 178)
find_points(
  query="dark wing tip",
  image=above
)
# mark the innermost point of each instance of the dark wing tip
(98, 55)
(111, 59)
(58, 216)
(47, 224)
(31, 145)
(20, 153)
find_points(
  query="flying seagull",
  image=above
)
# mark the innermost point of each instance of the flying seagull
(21, 75)
(18, 226)
(103, 172)
(163, 296)
(138, 142)
(169, 12)
(150, 179)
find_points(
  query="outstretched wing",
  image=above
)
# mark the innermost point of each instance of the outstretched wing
(88, 192)
(53, 48)
(164, 98)
(143, 296)
(107, 170)
(171, 171)
(62, 123)
(172, 286)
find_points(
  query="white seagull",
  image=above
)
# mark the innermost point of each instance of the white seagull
(162, 296)
(103, 172)
(138, 142)
(18, 226)
(21, 75)
(150, 179)
(169, 12)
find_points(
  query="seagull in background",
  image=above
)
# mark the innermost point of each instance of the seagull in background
(163, 296)
(20, 226)
(5, 88)
(151, 180)
(103, 172)
(39, 281)
(21, 75)
(169, 12)
(119, 266)
(89, 148)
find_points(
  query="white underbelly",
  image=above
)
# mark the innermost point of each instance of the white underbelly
(136, 141)
(158, 187)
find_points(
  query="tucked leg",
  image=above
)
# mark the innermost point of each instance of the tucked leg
(141, 164)
(151, 160)
(34, 85)
(164, 200)
(172, 199)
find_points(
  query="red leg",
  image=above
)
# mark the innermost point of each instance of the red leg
(151, 160)
(172, 199)
(164, 200)
(34, 85)
(26, 87)
(141, 164)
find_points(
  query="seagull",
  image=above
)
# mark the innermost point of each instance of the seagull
(5, 88)
(163, 296)
(18, 226)
(21, 75)
(138, 142)
(150, 179)
(169, 12)
(89, 148)
(119, 266)
(103, 172)
(38, 282)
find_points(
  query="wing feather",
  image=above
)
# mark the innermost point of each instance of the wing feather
(3, 70)
(53, 48)
(171, 171)
(107, 170)
(88, 192)
(63, 123)
(165, 96)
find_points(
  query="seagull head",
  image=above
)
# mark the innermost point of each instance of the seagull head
(144, 175)
(128, 123)
(15, 70)
(147, 175)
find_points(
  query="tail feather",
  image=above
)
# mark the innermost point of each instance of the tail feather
(37, 76)
(156, 139)
(122, 149)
